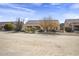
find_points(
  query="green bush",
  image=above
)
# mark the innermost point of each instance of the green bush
(9, 27)
(30, 30)
(0, 27)
(67, 29)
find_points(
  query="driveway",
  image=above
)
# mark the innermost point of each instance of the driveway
(23, 44)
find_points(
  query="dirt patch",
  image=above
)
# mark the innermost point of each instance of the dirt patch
(38, 44)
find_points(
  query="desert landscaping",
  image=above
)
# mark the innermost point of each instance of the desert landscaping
(24, 44)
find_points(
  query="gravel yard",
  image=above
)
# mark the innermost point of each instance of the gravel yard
(23, 44)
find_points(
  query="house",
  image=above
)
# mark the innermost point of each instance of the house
(36, 24)
(72, 23)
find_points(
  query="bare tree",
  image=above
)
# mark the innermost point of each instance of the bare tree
(19, 24)
(44, 24)
(48, 24)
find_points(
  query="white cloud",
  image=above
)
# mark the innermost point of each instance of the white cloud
(75, 6)
(37, 4)
(17, 7)
(1, 16)
(54, 4)
(70, 16)
(15, 11)
(25, 20)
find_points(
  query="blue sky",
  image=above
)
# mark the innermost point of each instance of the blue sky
(36, 11)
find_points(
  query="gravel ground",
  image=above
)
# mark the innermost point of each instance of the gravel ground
(23, 44)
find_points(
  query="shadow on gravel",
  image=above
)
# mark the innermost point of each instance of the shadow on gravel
(47, 33)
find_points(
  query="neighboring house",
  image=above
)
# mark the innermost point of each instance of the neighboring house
(72, 23)
(36, 24)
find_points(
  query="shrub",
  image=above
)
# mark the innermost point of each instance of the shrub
(30, 30)
(1, 27)
(53, 30)
(9, 27)
(19, 24)
(67, 29)
(41, 31)
(62, 26)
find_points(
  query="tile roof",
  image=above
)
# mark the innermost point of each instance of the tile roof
(36, 22)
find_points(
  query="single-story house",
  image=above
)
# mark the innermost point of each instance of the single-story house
(36, 24)
(72, 23)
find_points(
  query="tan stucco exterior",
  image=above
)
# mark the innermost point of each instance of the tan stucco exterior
(72, 23)
(36, 23)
